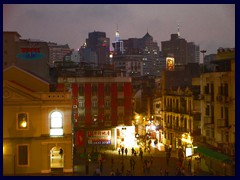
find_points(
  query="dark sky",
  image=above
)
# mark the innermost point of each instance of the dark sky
(208, 25)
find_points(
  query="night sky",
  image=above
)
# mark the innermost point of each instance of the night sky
(208, 25)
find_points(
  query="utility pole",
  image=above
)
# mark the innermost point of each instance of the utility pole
(203, 52)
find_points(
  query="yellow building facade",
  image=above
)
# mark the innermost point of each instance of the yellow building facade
(37, 128)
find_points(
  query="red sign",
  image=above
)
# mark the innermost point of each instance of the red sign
(26, 50)
(99, 137)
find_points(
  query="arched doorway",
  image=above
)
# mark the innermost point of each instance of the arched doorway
(56, 157)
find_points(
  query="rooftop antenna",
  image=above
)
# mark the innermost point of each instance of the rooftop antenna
(178, 31)
(117, 35)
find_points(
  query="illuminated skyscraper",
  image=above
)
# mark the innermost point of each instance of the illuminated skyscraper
(118, 44)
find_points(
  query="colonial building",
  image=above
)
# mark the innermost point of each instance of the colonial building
(36, 125)
(218, 112)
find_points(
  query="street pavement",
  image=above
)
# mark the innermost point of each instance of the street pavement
(158, 163)
(157, 154)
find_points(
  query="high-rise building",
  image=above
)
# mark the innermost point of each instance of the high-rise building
(118, 44)
(151, 60)
(183, 52)
(149, 50)
(193, 53)
(57, 52)
(99, 43)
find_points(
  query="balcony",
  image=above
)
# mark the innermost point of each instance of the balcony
(207, 97)
(222, 123)
(223, 99)
(207, 120)
(220, 98)
(179, 129)
(176, 110)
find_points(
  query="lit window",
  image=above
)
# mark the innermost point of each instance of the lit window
(22, 121)
(56, 124)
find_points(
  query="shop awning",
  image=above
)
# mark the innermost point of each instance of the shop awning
(158, 127)
(212, 154)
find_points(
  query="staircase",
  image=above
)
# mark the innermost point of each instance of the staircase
(56, 171)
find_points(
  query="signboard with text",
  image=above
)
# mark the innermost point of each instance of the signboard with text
(99, 137)
(30, 53)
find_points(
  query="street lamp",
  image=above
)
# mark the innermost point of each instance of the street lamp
(203, 52)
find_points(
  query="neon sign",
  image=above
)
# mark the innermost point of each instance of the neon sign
(30, 54)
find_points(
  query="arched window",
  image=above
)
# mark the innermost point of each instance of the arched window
(56, 124)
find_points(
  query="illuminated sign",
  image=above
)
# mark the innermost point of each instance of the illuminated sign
(170, 64)
(188, 151)
(99, 137)
(30, 54)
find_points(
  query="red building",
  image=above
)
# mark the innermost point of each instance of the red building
(99, 101)
(99, 104)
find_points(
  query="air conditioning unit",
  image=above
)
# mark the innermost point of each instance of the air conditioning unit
(226, 99)
(219, 98)
(74, 106)
(200, 96)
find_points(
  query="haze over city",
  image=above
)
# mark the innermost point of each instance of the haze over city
(208, 25)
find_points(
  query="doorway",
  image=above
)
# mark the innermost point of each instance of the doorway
(56, 157)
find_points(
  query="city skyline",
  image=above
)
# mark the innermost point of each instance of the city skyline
(208, 25)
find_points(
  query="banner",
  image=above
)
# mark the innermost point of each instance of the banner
(80, 138)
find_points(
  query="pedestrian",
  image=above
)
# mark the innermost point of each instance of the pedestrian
(166, 172)
(133, 151)
(161, 172)
(149, 149)
(61, 152)
(112, 162)
(118, 173)
(144, 169)
(122, 150)
(119, 151)
(126, 151)
(141, 154)
(98, 171)
(133, 164)
(128, 173)
(189, 164)
(112, 173)
(101, 166)
(148, 167)
(122, 167)
(151, 160)
(178, 172)
(183, 172)
(167, 160)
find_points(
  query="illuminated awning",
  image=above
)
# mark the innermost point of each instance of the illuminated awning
(212, 154)
(159, 127)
